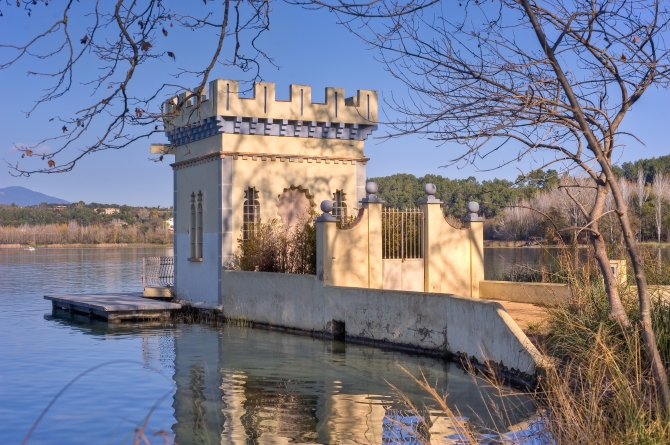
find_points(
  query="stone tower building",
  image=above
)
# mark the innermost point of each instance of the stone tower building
(255, 159)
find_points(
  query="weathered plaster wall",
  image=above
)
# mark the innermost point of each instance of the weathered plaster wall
(544, 294)
(439, 322)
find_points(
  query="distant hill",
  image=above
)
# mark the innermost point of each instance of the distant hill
(22, 196)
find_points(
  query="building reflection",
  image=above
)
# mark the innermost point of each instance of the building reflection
(228, 394)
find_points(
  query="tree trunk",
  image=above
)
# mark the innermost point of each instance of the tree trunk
(657, 368)
(616, 310)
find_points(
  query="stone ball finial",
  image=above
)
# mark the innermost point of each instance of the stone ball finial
(326, 206)
(371, 188)
(473, 207)
(430, 189)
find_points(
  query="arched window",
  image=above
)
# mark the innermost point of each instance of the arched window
(339, 205)
(198, 247)
(252, 210)
(191, 226)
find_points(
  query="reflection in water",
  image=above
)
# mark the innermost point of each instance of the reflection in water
(245, 386)
(231, 385)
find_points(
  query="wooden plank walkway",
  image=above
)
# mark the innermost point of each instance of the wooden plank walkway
(114, 307)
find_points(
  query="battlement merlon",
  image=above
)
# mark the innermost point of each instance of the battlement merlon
(224, 100)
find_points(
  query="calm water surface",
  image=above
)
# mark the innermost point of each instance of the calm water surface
(200, 385)
(499, 260)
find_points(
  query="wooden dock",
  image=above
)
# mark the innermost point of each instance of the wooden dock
(114, 307)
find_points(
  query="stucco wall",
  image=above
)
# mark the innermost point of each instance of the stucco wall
(439, 322)
(270, 178)
(244, 143)
(544, 294)
(199, 281)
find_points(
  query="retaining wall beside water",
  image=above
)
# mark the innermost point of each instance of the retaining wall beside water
(440, 323)
(544, 294)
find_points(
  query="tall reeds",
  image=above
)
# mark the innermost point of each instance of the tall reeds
(74, 233)
(599, 389)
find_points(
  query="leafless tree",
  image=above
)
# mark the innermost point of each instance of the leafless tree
(661, 186)
(642, 195)
(551, 80)
(123, 40)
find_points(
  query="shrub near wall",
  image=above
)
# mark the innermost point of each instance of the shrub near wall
(271, 248)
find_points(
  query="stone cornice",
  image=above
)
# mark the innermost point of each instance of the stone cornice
(214, 125)
(273, 157)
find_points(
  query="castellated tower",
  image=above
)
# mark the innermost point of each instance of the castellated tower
(244, 160)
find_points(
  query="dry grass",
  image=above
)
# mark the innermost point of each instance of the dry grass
(600, 390)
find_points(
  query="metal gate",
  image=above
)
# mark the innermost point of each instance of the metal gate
(402, 234)
(402, 249)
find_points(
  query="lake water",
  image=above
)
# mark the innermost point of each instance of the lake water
(500, 260)
(201, 384)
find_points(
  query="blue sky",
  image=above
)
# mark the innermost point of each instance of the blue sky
(310, 48)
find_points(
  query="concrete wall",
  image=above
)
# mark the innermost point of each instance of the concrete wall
(544, 294)
(438, 322)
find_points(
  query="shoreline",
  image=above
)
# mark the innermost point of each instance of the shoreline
(78, 245)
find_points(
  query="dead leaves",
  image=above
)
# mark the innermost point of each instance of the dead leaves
(138, 112)
(171, 54)
(165, 33)
(623, 57)
(84, 40)
(145, 46)
(64, 128)
(29, 152)
(51, 163)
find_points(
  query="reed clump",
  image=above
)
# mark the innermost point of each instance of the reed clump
(599, 389)
(73, 233)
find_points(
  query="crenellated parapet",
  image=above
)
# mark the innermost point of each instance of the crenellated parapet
(224, 111)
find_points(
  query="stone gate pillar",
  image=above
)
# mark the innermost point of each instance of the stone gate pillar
(432, 240)
(475, 224)
(326, 228)
(374, 206)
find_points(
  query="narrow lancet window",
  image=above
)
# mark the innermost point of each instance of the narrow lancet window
(252, 210)
(192, 226)
(198, 247)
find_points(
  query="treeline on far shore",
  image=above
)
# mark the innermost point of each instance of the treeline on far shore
(74, 233)
(81, 223)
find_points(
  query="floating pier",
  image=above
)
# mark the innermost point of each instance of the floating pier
(114, 307)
